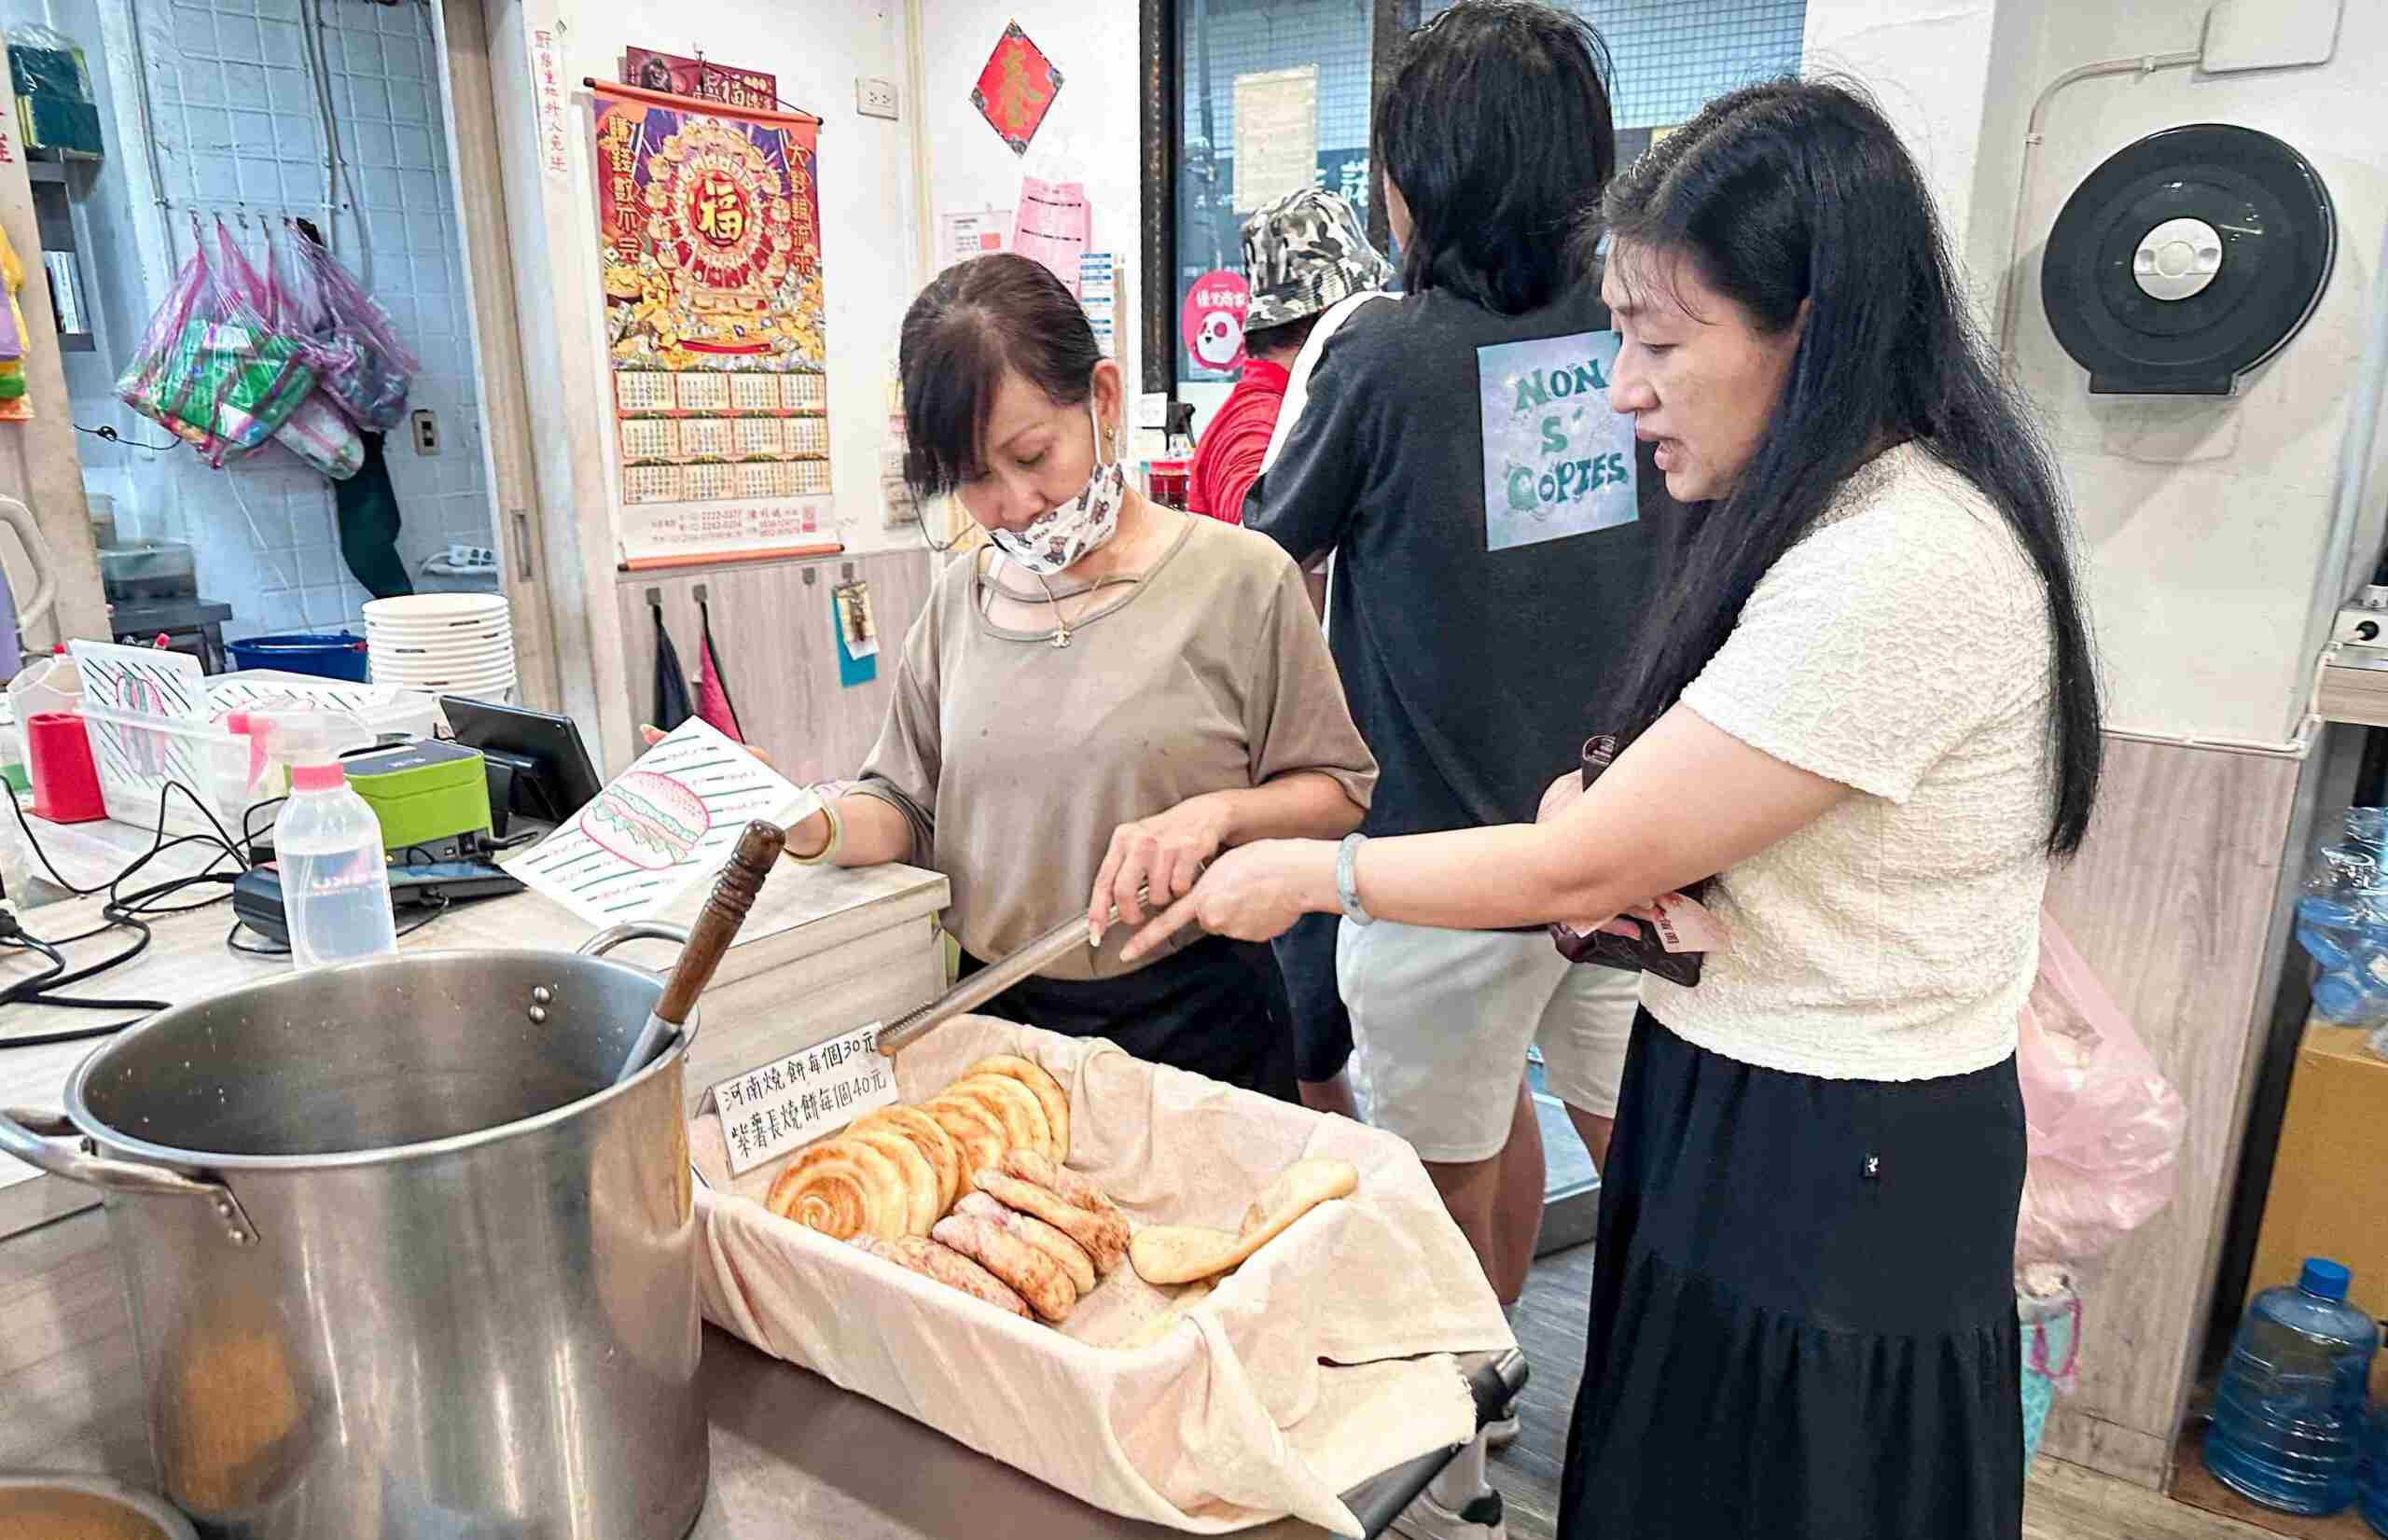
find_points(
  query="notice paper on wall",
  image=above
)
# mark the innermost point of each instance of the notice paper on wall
(1276, 135)
(661, 828)
(1099, 294)
(1052, 225)
(964, 233)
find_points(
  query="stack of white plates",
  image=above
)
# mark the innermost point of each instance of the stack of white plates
(447, 644)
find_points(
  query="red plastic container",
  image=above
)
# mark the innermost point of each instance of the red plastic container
(1171, 480)
(58, 755)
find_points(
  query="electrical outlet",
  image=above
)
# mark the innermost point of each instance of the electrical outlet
(874, 98)
(426, 430)
(2361, 627)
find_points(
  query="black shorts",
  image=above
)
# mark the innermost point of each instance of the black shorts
(1322, 1027)
(1212, 1008)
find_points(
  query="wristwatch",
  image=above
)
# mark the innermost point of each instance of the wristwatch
(1347, 880)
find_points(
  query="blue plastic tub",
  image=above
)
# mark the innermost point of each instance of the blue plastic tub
(335, 655)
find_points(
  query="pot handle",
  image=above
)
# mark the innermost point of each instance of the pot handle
(26, 1134)
(615, 935)
(607, 939)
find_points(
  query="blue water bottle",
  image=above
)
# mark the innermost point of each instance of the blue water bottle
(2351, 983)
(2371, 1487)
(2288, 1414)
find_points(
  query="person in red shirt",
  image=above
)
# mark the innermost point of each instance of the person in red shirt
(1301, 254)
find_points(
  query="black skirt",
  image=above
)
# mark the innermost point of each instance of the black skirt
(1216, 1008)
(1803, 1314)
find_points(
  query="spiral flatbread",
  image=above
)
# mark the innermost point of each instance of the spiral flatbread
(842, 1189)
(976, 1134)
(920, 1208)
(1005, 1100)
(1041, 1085)
(929, 1137)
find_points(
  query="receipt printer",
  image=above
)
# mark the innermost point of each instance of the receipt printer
(431, 797)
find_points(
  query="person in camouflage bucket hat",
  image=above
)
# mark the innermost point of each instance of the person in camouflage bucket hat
(1303, 253)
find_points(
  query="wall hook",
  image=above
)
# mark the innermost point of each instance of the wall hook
(700, 593)
(811, 576)
(655, 599)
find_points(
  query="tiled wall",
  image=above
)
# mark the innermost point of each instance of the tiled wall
(232, 104)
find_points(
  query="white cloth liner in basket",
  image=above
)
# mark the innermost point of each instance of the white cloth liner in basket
(1324, 1359)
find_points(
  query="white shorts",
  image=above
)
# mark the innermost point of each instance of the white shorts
(1442, 1019)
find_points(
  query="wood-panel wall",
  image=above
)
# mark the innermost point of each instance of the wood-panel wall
(771, 631)
(2171, 901)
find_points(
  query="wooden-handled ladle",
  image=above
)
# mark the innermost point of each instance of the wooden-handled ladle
(717, 926)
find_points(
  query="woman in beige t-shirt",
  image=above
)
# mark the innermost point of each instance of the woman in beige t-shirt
(1100, 700)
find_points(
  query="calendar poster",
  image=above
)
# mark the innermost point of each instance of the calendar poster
(709, 230)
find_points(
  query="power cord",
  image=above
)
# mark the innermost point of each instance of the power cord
(232, 938)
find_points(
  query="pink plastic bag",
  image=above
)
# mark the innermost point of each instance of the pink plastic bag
(212, 368)
(2104, 1125)
(370, 371)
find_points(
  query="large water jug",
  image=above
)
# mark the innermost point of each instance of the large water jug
(2288, 1413)
(2371, 1483)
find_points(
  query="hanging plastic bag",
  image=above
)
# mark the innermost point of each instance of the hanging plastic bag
(372, 371)
(2104, 1125)
(210, 368)
(316, 432)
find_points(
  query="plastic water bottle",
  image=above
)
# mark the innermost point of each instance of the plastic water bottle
(2350, 947)
(335, 872)
(2371, 1488)
(328, 844)
(2288, 1415)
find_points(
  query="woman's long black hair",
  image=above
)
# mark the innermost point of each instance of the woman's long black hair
(1799, 191)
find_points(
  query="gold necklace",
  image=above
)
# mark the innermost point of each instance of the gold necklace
(1061, 626)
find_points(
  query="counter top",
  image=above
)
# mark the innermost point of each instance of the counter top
(791, 1453)
(801, 912)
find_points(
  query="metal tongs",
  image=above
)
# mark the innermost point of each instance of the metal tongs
(992, 980)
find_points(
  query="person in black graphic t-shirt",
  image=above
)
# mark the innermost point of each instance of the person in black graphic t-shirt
(1488, 512)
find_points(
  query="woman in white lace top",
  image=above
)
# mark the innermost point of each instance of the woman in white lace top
(1868, 717)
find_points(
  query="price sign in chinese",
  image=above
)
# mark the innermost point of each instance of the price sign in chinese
(774, 1108)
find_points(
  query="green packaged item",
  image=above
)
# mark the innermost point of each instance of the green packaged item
(56, 110)
(68, 129)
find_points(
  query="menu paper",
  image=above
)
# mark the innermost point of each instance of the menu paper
(772, 1109)
(664, 825)
(1276, 134)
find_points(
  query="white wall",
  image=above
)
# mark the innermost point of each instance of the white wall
(2205, 520)
(1929, 63)
(866, 178)
(1091, 133)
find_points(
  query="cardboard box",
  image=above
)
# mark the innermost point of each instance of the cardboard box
(2329, 1192)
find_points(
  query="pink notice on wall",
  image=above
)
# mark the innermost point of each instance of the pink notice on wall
(1052, 227)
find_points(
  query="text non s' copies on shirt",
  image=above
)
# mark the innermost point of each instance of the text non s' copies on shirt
(1557, 460)
(774, 1108)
